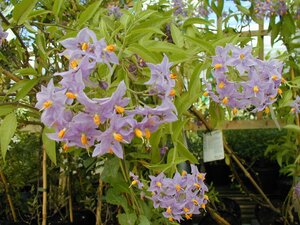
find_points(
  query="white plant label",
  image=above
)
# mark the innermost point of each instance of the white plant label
(213, 147)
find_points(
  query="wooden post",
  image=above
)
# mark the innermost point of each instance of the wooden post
(44, 209)
(70, 200)
(10, 202)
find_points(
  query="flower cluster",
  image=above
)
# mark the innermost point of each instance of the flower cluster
(295, 106)
(242, 81)
(180, 196)
(267, 8)
(179, 7)
(3, 35)
(101, 123)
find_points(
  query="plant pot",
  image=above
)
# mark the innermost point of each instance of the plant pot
(218, 173)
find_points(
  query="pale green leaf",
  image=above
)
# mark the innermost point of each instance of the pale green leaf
(293, 127)
(22, 10)
(57, 6)
(29, 84)
(7, 131)
(49, 145)
(5, 109)
(89, 12)
(184, 152)
(177, 36)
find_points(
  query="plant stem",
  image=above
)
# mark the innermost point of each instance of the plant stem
(70, 200)
(99, 205)
(10, 202)
(9, 74)
(236, 160)
(219, 219)
(44, 209)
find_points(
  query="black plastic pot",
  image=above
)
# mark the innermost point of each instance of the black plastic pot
(218, 173)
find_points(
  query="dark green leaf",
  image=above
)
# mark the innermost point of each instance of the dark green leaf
(127, 219)
(7, 131)
(116, 198)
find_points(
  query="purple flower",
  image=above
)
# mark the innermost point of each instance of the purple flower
(52, 101)
(82, 43)
(3, 35)
(136, 180)
(295, 106)
(180, 196)
(161, 80)
(115, 11)
(119, 131)
(105, 53)
(179, 8)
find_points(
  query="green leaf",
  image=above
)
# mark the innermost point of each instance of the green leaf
(5, 109)
(49, 144)
(88, 12)
(114, 197)
(29, 84)
(184, 152)
(22, 10)
(177, 36)
(154, 142)
(243, 10)
(27, 71)
(204, 45)
(57, 6)
(192, 21)
(144, 220)
(7, 131)
(147, 55)
(127, 219)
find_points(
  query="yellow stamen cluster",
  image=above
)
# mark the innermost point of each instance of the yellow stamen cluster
(198, 186)
(205, 94)
(225, 100)
(158, 184)
(255, 89)
(171, 219)
(74, 64)
(200, 176)
(110, 48)
(110, 151)
(147, 133)
(205, 197)
(203, 206)
(138, 133)
(71, 95)
(242, 56)
(186, 210)
(61, 133)
(173, 76)
(172, 92)
(134, 182)
(119, 109)
(118, 137)
(274, 77)
(169, 210)
(221, 85)
(195, 201)
(47, 104)
(279, 91)
(267, 110)
(65, 147)
(84, 46)
(97, 119)
(183, 173)
(177, 187)
(188, 216)
(234, 111)
(218, 66)
(84, 139)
